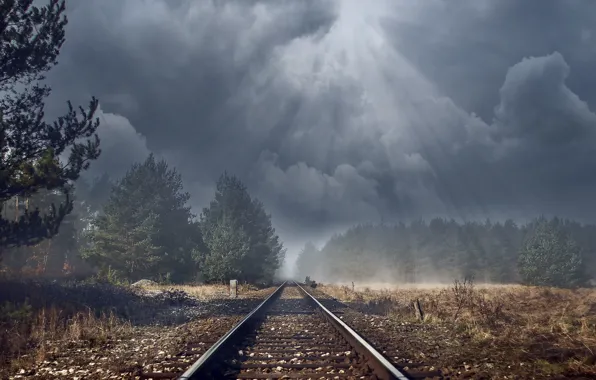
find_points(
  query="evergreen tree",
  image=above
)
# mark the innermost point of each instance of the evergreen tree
(239, 237)
(145, 229)
(550, 257)
(228, 246)
(30, 41)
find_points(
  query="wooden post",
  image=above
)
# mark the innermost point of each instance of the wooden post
(418, 310)
(233, 288)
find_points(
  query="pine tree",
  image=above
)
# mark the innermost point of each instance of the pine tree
(145, 229)
(550, 257)
(30, 41)
(228, 247)
(239, 237)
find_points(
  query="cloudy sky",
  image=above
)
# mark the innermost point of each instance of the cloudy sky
(341, 111)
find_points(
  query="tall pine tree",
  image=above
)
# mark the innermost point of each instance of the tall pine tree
(550, 257)
(145, 229)
(36, 155)
(240, 239)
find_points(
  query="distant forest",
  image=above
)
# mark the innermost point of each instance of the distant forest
(543, 252)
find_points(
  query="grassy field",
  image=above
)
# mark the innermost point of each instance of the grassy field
(549, 331)
(552, 329)
(35, 326)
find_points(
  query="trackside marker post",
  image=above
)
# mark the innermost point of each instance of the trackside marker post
(233, 288)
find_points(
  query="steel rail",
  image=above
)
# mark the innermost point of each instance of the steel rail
(207, 358)
(375, 360)
(383, 368)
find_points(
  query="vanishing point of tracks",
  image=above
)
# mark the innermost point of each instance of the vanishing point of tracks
(290, 335)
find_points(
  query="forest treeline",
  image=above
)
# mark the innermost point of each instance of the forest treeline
(554, 251)
(141, 227)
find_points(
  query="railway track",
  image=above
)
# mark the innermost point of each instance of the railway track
(289, 336)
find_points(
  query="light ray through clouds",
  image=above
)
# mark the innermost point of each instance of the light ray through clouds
(390, 117)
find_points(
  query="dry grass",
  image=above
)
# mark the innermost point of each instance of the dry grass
(553, 328)
(202, 292)
(32, 337)
(23, 328)
(206, 292)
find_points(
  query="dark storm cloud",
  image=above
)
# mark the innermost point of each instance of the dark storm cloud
(173, 70)
(465, 47)
(337, 112)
